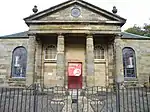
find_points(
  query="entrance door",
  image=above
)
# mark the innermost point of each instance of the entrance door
(74, 75)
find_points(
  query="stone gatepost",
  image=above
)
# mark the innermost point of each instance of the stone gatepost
(31, 60)
(60, 69)
(90, 78)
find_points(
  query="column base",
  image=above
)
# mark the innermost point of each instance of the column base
(90, 80)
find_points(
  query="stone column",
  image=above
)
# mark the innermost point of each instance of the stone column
(118, 58)
(60, 69)
(90, 60)
(31, 60)
(111, 64)
(38, 61)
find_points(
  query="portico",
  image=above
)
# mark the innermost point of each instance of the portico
(84, 35)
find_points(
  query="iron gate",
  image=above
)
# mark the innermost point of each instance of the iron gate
(59, 99)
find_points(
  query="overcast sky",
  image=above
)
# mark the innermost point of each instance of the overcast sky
(13, 11)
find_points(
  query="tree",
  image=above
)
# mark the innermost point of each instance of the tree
(143, 31)
(147, 30)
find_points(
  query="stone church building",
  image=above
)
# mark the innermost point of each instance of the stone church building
(74, 44)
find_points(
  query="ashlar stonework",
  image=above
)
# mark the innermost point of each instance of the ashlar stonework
(74, 38)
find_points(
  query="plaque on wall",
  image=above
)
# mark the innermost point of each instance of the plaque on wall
(75, 12)
(74, 69)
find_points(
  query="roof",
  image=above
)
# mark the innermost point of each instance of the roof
(132, 36)
(16, 35)
(125, 35)
(71, 2)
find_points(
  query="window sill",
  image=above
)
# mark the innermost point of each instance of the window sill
(17, 79)
(50, 60)
(131, 79)
(99, 60)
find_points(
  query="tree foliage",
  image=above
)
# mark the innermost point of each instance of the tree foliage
(143, 31)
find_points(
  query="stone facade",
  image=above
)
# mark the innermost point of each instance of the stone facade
(65, 15)
(7, 46)
(141, 48)
(75, 39)
(31, 60)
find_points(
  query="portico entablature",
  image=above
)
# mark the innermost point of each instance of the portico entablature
(68, 28)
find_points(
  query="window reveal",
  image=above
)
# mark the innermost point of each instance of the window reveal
(50, 52)
(19, 62)
(98, 52)
(129, 62)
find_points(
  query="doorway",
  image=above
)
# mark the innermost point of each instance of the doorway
(74, 75)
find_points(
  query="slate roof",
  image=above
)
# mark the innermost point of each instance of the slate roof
(125, 35)
(16, 35)
(132, 36)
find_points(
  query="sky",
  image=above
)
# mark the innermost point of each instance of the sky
(12, 12)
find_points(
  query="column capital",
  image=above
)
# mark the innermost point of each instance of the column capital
(89, 36)
(31, 34)
(60, 35)
(117, 36)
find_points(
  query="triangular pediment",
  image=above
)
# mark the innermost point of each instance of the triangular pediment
(82, 14)
(76, 11)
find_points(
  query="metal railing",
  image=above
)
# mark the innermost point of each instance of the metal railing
(60, 99)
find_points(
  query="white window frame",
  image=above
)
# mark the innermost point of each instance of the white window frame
(50, 59)
(125, 65)
(99, 59)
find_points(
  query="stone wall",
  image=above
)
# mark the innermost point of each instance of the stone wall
(65, 15)
(75, 52)
(86, 18)
(104, 70)
(141, 47)
(46, 68)
(6, 47)
(142, 52)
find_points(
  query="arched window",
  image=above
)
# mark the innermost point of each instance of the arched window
(50, 52)
(98, 52)
(129, 62)
(19, 62)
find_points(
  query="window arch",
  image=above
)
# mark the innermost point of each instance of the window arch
(98, 52)
(19, 62)
(50, 52)
(129, 62)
